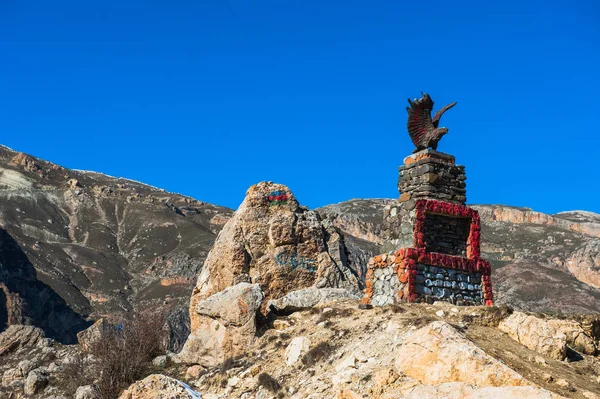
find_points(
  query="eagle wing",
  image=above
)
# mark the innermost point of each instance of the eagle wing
(419, 119)
(438, 115)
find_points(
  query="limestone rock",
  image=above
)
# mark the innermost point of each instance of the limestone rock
(159, 386)
(585, 263)
(194, 372)
(17, 336)
(536, 334)
(438, 353)
(294, 351)
(10, 376)
(461, 390)
(576, 336)
(160, 361)
(36, 381)
(87, 392)
(226, 325)
(308, 298)
(25, 366)
(93, 333)
(273, 241)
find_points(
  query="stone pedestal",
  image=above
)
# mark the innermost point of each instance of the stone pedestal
(426, 174)
(438, 239)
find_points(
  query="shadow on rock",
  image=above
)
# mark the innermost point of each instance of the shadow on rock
(26, 300)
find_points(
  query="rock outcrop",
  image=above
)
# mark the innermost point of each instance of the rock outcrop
(585, 263)
(438, 353)
(276, 245)
(273, 241)
(159, 386)
(93, 333)
(226, 325)
(536, 334)
(16, 337)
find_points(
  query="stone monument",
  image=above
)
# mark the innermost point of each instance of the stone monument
(437, 235)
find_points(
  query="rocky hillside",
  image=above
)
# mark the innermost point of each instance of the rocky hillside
(539, 262)
(334, 350)
(81, 244)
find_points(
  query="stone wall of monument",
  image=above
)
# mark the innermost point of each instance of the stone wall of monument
(410, 275)
(438, 239)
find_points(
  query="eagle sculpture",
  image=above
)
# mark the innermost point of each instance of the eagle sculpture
(423, 130)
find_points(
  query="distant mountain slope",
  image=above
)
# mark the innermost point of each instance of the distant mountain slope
(540, 262)
(103, 244)
(77, 245)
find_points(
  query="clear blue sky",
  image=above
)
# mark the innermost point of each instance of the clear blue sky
(207, 98)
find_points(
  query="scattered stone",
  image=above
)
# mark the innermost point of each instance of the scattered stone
(540, 360)
(281, 324)
(159, 386)
(233, 382)
(87, 392)
(35, 382)
(590, 395)
(349, 361)
(194, 372)
(386, 376)
(348, 394)
(562, 383)
(294, 351)
(160, 361)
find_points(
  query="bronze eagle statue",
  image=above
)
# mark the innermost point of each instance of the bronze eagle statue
(423, 130)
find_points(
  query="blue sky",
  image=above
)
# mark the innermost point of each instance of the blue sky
(207, 98)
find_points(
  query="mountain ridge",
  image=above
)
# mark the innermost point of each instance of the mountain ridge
(109, 245)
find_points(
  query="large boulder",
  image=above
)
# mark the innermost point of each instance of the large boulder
(159, 386)
(438, 353)
(18, 336)
(273, 241)
(226, 324)
(536, 334)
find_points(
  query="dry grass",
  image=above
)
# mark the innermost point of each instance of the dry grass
(319, 352)
(124, 353)
(270, 383)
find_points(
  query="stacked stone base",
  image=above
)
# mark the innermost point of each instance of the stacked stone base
(438, 237)
(410, 275)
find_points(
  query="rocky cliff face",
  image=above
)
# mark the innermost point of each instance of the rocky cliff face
(93, 244)
(539, 262)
